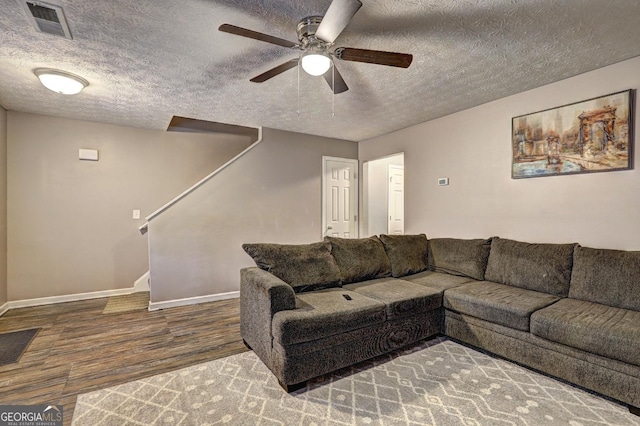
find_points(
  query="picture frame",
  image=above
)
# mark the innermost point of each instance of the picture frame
(594, 135)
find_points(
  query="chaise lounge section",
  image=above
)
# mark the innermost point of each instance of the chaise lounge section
(569, 311)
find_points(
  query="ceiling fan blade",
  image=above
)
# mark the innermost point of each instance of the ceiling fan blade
(392, 59)
(232, 29)
(332, 76)
(336, 19)
(275, 71)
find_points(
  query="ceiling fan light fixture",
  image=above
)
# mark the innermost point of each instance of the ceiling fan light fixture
(315, 63)
(61, 82)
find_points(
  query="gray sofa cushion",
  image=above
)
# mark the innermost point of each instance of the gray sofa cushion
(360, 259)
(592, 327)
(497, 303)
(437, 280)
(407, 253)
(304, 267)
(401, 298)
(538, 267)
(325, 313)
(610, 277)
(466, 258)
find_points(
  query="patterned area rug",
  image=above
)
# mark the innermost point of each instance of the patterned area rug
(13, 344)
(127, 303)
(438, 382)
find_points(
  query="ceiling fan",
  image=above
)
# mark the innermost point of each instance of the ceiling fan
(316, 36)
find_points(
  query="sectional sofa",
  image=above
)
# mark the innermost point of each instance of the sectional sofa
(566, 310)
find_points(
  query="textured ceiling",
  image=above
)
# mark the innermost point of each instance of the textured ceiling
(148, 60)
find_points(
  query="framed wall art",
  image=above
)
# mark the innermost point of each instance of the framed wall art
(595, 135)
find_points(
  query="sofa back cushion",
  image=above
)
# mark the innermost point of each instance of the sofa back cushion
(609, 277)
(305, 267)
(538, 267)
(360, 259)
(466, 258)
(407, 253)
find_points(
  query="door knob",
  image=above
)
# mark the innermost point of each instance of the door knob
(329, 227)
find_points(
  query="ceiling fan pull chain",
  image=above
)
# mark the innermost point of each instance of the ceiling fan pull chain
(298, 69)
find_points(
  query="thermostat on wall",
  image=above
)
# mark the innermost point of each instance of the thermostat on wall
(443, 181)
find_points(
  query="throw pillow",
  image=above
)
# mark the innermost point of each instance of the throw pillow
(466, 258)
(407, 253)
(606, 276)
(305, 267)
(538, 267)
(360, 259)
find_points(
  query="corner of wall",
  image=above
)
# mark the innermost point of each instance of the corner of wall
(482, 200)
(3, 208)
(81, 214)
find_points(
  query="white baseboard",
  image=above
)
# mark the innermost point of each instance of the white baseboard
(4, 308)
(27, 303)
(154, 306)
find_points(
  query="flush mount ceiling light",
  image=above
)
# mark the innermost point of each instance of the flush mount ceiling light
(315, 63)
(60, 81)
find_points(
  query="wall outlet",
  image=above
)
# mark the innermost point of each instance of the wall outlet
(136, 214)
(443, 181)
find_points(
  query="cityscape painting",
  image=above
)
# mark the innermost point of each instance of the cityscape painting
(595, 135)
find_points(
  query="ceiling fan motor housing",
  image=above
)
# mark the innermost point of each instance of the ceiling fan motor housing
(307, 28)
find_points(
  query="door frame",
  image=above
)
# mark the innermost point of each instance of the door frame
(356, 199)
(389, 168)
(366, 189)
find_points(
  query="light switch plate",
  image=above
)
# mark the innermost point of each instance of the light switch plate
(136, 214)
(88, 154)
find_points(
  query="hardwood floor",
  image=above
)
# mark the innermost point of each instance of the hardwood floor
(80, 349)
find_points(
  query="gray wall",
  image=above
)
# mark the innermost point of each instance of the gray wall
(70, 222)
(3, 206)
(473, 149)
(271, 194)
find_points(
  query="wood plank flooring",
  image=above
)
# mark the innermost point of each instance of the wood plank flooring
(80, 349)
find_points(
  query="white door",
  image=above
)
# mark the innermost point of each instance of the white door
(396, 200)
(339, 197)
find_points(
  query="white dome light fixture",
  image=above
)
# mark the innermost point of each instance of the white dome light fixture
(315, 63)
(61, 82)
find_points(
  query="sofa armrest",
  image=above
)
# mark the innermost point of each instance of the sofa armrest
(262, 294)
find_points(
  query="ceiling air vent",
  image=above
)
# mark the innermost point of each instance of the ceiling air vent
(47, 18)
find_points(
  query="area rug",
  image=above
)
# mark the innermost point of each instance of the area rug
(14, 344)
(439, 382)
(127, 303)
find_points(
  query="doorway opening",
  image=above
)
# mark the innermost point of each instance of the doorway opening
(383, 195)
